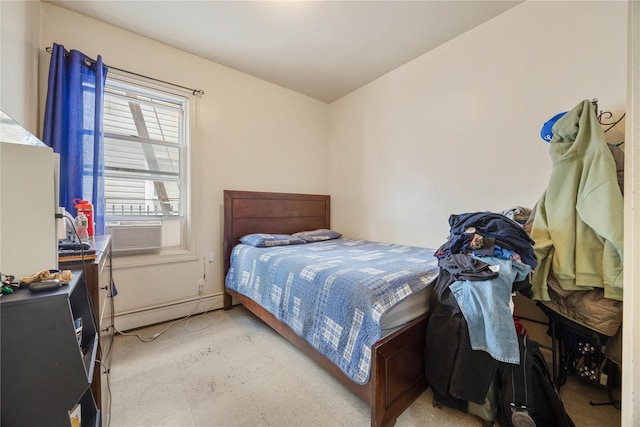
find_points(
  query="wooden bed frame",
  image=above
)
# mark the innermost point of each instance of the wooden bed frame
(397, 362)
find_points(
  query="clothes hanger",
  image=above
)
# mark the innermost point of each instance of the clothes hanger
(606, 115)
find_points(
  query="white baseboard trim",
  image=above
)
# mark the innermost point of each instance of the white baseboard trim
(133, 319)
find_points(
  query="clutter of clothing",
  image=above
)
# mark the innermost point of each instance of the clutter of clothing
(578, 225)
(486, 258)
(566, 253)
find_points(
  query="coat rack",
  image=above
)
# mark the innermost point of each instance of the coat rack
(605, 115)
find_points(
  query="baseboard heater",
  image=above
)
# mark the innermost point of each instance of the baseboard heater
(192, 307)
(130, 237)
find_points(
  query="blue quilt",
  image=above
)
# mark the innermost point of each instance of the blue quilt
(333, 293)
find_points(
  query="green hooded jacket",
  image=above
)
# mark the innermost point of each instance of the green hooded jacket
(578, 225)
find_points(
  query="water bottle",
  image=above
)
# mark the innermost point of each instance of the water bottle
(86, 208)
(82, 227)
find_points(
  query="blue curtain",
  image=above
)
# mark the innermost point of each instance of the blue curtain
(73, 127)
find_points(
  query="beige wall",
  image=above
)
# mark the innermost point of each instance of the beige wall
(19, 31)
(252, 135)
(457, 130)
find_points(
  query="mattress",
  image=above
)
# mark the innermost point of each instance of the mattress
(340, 295)
(410, 308)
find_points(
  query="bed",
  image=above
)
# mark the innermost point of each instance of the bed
(396, 370)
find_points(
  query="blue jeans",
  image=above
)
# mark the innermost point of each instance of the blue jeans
(485, 306)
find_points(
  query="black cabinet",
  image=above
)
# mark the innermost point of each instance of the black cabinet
(48, 351)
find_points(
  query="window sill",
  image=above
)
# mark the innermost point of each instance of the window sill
(162, 257)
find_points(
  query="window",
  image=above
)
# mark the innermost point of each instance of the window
(146, 141)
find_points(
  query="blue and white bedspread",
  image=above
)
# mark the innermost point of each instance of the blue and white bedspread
(333, 293)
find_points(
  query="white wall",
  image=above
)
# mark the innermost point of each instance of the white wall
(631, 335)
(457, 130)
(19, 31)
(252, 135)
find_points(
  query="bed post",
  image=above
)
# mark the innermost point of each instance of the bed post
(397, 370)
(227, 245)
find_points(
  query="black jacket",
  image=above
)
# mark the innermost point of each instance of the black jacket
(451, 365)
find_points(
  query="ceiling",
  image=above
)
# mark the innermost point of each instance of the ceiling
(323, 49)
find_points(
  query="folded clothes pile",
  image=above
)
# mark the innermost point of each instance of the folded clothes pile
(64, 276)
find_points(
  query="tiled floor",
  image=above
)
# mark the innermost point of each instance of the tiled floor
(229, 369)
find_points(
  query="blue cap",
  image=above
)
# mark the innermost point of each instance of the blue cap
(546, 133)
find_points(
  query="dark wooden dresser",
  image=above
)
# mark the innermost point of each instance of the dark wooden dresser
(99, 279)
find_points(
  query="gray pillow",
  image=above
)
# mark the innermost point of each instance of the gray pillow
(318, 235)
(263, 240)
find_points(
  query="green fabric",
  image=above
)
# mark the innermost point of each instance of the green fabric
(578, 225)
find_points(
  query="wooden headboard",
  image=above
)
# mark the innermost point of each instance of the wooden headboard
(247, 212)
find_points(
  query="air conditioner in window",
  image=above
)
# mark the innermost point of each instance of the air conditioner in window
(129, 237)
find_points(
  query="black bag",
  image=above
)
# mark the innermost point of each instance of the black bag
(525, 393)
(487, 412)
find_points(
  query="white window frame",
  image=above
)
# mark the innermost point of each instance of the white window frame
(186, 251)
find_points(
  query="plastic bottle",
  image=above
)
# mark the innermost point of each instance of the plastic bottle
(86, 208)
(82, 227)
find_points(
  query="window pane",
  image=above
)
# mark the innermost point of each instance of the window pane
(126, 198)
(132, 116)
(136, 158)
(145, 131)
